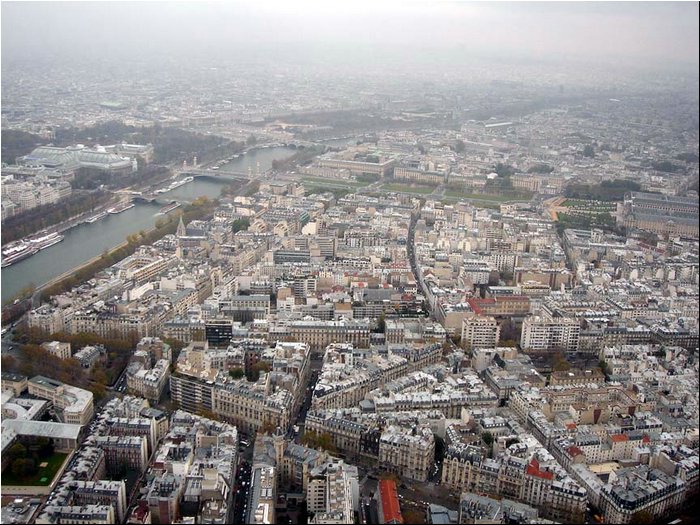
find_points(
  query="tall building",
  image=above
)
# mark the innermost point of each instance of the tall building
(332, 493)
(546, 333)
(262, 496)
(480, 332)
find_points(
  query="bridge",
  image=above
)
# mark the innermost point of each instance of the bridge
(159, 199)
(217, 174)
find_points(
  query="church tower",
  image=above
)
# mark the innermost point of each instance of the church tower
(181, 232)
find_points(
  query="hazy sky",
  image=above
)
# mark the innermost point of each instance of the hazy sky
(639, 33)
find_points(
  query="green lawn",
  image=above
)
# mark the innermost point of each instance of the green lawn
(43, 477)
(589, 205)
(334, 182)
(481, 197)
(405, 188)
(491, 205)
(338, 192)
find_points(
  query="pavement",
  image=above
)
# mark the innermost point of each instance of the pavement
(7, 344)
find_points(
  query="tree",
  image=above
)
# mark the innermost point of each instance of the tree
(8, 363)
(17, 451)
(561, 365)
(381, 323)
(236, 373)
(541, 168)
(251, 140)
(23, 467)
(460, 146)
(267, 428)
(413, 516)
(390, 476)
(588, 151)
(256, 369)
(503, 170)
(487, 438)
(240, 225)
(206, 413)
(559, 362)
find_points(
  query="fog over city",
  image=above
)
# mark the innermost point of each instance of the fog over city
(653, 35)
(368, 262)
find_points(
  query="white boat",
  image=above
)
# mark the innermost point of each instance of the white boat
(16, 253)
(168, 208)
(97, 217)
(47, 240)
(121, 207)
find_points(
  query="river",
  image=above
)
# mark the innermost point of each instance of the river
(86, 241)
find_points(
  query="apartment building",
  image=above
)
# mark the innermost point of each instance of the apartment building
(46, 318)
(576, 377)
(164, 497)
(124, 452)
(101, 492)
(250, 408)
(480, 332)
(347, 436)
(155, 348)
(60, 350)
(191, 393)
(262, 497)
(332, 492)
(148, 383)
(88, 514)
(640, 488)
(134, 426)
(530, 482)
(408, 452)
(114, 325)
(88, 355)
(547, 334)
(319, 334)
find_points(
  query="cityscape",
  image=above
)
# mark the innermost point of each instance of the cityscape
(400, 262)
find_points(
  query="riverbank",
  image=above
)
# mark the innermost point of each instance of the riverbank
(67, 280)
(85, 242)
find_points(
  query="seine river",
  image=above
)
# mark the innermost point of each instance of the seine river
(86, 241)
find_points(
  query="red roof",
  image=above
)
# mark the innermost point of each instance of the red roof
(570, 426)
(390, 502)
(533, 469)
(475, 306)
(574, 451)
(619, 438)
(645, 439)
